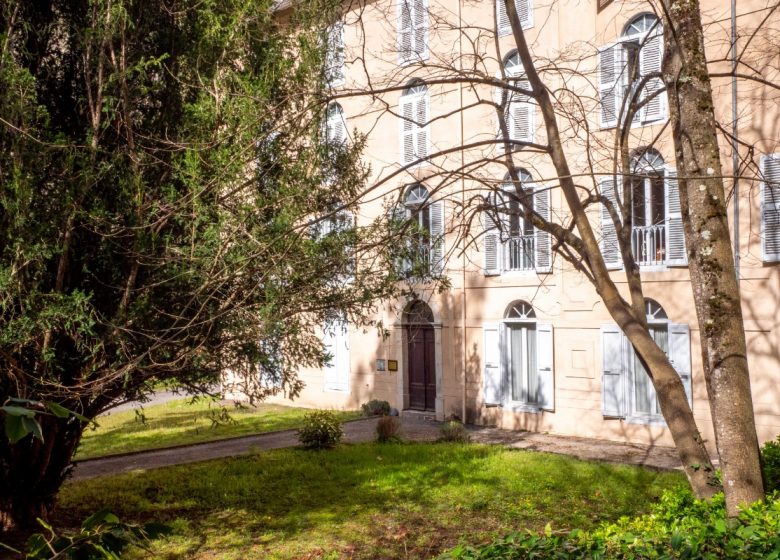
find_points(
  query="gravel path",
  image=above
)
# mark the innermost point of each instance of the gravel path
(414, 429)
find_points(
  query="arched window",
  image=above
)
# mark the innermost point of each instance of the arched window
(424, 219)
(519, 111)
(512, 243)
(520, 310)
(630, 70)
(413, 108)
(418, 313)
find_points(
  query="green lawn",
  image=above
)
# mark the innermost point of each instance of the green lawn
(365, 501)
(182, 421)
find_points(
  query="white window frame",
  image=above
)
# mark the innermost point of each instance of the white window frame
(770, 202)
(337, 373)
(514, 105)
(620, 88)
(335, 59)
(503, 26)
(417, 205)
(418, 31)
(415, 100)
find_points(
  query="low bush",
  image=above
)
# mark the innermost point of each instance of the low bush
(321, 429)
(454, 431)
(375, 407)
(678, 527)
(770, 457)
(388, 429)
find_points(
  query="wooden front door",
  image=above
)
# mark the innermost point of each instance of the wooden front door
(422, 367)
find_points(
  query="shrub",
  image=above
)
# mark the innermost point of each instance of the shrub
(677, 527)
(388, 428)
(320, 429)
(454, 431)
(770, 458)
(375, 407)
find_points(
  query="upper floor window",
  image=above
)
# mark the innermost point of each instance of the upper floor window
(657, 236)
(424, 223)
(525, 11)
(627, 390)
(770, 207)
(512, 243)
(335, 126)
(412, 30)
(518, 123)
(413, 108)
(630, 71)
(334, 57)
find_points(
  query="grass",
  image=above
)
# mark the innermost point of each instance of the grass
(183, 421)
(367, 501)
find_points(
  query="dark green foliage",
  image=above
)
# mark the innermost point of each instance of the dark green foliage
(388, 429)
(770, 458)
(375, 407)
(102, 537)
(678, 527)
(321, 429)
(454, 431)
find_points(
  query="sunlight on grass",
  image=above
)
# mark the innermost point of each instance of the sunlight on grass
(365, 501)
(182, 421)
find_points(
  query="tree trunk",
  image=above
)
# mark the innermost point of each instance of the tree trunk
(32, 473)
(711, 262)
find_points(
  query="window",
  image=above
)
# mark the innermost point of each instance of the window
(334, 58)
(518, 356)
(335, 236)
(518, 124)
(412, 31)
(770, 208)
(525, 11)
(627, 390)
(657, 236)
(335, 342)
(628, 65)
(413, 109)
(424, 223)
(512, 243)
(335, 126)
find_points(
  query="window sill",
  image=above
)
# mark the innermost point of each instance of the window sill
(523, 407)
(415, 58)
(646, 420)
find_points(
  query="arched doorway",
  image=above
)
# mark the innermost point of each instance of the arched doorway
(421, 356)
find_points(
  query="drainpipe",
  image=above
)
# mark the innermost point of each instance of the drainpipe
(463, 201)
(734, 135)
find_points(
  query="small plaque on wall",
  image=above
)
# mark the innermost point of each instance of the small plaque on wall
(380, 365)
(392, 365)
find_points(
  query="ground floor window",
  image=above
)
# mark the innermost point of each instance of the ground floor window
(336, 370)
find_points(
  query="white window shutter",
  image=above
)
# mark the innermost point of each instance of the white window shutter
(405, 31)
(436, 210)
(492, 388)
(545, 372)
(650, 57)
(502, 19)
(408, 129)
(420, 29)
(421, 143)
(522, 117)
(613, 372)
(525, 9)
(492, 245)
(610, 248)
(676, 254)
(770, 208)
(524, 12)
(335, 58)
(680, 355)
(336, 342)
(542, 245)
(610, 84)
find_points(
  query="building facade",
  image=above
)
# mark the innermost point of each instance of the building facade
(516, 337)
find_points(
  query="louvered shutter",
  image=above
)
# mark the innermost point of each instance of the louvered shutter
(542, 246)
(492, 244)
(770, 208)
(405, 31)
(649, 63)
(408, 129)
(335, 55)
(521, 117)
(610, 84)
(492, 389)
(680, 356)
(545, 373)
(420, 30)
(676, 254)
(613, 374)
(421, 111)
(501, 97)
(436, 210)
(610, 248)
(524, 12)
